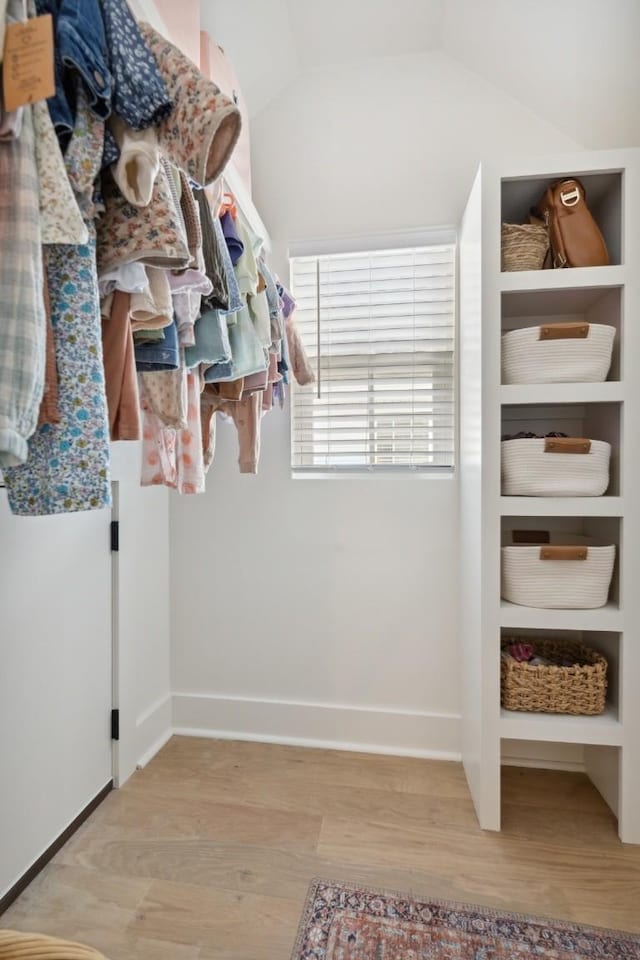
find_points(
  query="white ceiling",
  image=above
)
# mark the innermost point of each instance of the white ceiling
(573, 62)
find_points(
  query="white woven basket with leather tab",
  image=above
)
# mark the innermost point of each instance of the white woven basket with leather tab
(558, 353)
(555, 467)
(558, 571)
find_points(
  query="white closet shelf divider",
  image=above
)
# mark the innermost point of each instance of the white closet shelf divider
(547, 393)
(535, 280)
(515, 617)
(603, 730)
(561, 506)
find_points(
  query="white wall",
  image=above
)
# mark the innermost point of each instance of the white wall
(325, 610)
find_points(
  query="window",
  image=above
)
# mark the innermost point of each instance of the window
(379, 331)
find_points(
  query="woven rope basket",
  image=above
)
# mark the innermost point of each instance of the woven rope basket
(563, 571)
(544, 468)
(530, 356)
(524, 246)
(580, 690)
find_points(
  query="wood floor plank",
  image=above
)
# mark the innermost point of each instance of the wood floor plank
(76, 903)
(194, 815)
(203, 758)
(230, 925)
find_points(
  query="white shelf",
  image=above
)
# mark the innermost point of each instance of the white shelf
(604, 730)
(515, 617)
(522, 280)
(561, 506)
(553, 393)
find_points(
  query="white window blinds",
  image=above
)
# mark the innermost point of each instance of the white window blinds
(379, 331)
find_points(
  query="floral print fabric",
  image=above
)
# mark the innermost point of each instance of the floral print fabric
(61, 220)
(68, 464)
(140, 96)
(174, 458)
(203, 129)
(152, 235)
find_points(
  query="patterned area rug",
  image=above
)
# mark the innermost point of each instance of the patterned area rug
(343, 922)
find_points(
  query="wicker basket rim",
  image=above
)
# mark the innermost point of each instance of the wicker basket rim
(598, 663)
(530, 228)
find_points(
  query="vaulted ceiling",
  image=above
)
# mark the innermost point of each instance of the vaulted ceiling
(573, 62)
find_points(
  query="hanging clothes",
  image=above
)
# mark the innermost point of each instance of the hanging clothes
(202, 131)
(22, 313)
(121, 379)
(67, 468)
(174, 458)
(140, 97)
(112, 189)
(49, 411)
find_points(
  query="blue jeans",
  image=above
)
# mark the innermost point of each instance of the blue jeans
(81, 51)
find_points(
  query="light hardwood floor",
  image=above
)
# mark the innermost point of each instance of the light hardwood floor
(207, 854)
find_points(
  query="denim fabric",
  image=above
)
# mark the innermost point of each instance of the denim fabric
(219, 371)
(140, 96)
(247, 353)
(111, 151)
(81, 48)
(235, 246)
(163, 355)
(235, 298)
(283, 362)
(212, 340)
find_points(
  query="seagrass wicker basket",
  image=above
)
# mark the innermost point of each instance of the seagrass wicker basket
(524, 246)
(580, 689)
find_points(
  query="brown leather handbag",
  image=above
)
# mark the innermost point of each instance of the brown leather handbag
(576, 240)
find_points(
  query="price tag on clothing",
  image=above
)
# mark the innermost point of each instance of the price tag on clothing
(27, 68)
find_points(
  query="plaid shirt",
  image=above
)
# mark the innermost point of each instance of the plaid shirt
(22, 316)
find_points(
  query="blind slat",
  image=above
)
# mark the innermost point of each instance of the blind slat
(386, 359)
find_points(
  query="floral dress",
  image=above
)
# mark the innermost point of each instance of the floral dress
(67, 468)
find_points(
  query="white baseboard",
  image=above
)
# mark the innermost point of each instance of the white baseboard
(153, 730)
(543, 756)
(322, 725)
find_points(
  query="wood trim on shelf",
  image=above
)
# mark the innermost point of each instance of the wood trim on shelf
(29, 875)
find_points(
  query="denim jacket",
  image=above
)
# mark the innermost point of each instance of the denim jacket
(81, 48)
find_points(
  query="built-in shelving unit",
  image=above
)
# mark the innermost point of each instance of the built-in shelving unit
(493, 302)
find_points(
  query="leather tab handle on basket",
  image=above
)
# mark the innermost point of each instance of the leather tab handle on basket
(567, 445)
(564, 553)
(564, 331)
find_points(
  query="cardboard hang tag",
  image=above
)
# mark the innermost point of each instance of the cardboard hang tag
(28, 64)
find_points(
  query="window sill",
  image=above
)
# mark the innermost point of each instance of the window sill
(427, 473)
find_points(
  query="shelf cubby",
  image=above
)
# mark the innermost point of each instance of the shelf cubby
(600, 304)
(608, 643)
(603, 190)
(605, 529)
(595, 421)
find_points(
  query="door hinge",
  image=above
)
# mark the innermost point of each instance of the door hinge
(115, 724)
(115, 536)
